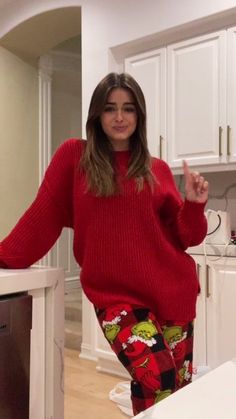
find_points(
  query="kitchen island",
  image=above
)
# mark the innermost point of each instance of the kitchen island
(46, 285)
(209, 397)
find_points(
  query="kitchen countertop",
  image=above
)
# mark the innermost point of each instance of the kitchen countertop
(228, 250)
(209, 397)
(17, 280)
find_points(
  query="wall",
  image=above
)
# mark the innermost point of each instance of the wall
(222, 194)
(18, 138)
(66, 101)
(66, 122)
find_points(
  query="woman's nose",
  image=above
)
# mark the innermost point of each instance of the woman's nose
(119, 115)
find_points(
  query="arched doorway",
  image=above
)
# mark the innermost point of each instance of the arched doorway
(45, 44)
(43, 56)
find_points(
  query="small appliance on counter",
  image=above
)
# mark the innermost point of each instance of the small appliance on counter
(15, 326)
(219, 231)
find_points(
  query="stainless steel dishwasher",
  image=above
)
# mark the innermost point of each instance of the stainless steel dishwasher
(15, 326)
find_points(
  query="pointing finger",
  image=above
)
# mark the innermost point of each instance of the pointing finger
(186, 170)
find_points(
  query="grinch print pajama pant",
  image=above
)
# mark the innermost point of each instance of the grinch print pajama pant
(158, 356)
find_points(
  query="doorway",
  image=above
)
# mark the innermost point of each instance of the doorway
(60, 42)
(66, 122)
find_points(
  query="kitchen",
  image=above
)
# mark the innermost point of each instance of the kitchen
(109, 45)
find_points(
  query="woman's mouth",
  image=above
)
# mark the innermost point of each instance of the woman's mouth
(120, 129)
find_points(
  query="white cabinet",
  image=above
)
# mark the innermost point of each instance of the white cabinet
(149, 69)
(199, 352)
(190, 91)
(231, 95)
(196, 102)
(215, 337)
(221, 311)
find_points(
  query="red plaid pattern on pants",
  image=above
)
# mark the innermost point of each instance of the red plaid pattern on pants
(157, 355)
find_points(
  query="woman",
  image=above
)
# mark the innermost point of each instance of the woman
(131, 230)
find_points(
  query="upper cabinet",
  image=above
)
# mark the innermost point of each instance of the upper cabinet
(231, 95)
(197, 100)
(190, 90)
(149, 69)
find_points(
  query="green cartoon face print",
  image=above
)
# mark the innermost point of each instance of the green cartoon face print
(173, 334)
(111, 331)
(181, 373)
(185, 372)
(161, 395)
(145, 330)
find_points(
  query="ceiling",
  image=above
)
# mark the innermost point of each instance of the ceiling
(39, 34)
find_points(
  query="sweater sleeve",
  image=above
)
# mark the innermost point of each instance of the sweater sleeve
(41, 224)
(184, 219)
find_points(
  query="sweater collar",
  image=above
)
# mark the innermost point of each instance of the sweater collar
(122, 156)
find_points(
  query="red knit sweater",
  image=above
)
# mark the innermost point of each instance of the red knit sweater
(131, 247)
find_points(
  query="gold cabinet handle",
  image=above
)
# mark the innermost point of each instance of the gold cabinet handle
(198, 269)
(220, 141)
(228, 140)
(160, 145)
(208, 294)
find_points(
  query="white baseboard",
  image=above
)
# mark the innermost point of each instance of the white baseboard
(86, 353)
(72, 284)
(112, 367)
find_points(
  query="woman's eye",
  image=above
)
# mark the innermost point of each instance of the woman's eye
(109, 109)
(130, 109)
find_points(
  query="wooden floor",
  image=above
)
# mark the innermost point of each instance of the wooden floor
(86, 390)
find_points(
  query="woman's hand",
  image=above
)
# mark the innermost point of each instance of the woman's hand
(196, 187)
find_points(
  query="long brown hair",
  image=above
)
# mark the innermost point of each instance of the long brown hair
(98, 157)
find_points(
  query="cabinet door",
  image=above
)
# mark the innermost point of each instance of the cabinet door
(221, 312)
(197, 100)
(231, 91)
(149, 70)
(199, 348)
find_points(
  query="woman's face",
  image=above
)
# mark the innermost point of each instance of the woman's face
(119, 118)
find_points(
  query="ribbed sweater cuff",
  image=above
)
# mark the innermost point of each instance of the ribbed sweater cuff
(193, 209)
(2, 264)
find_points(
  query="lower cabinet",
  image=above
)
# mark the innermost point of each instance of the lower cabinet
(215, 337)
(46, 392)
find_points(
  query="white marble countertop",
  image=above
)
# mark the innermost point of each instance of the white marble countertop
(209, 397)
(17, 280)
(228, 250)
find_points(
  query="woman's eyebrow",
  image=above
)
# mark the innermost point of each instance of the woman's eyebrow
(125, 103)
